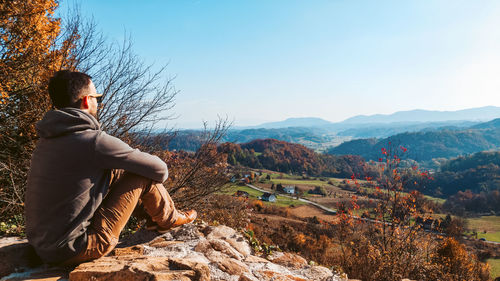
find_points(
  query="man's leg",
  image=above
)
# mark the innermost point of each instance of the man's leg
(110, 218)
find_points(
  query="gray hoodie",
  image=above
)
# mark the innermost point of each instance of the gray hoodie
(69, 176)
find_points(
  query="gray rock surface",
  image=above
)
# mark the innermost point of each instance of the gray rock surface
(190, 252)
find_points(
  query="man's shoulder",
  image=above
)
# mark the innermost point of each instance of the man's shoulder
(102, 136)
(105, 142)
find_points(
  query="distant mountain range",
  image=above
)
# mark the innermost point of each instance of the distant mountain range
(365, 132)
(381, 130)
(493, 124)
(473, 114)
(426, 145)
(296, 122)
(479, 114)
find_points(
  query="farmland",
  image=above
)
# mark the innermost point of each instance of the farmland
(281, 201)
(487, 227)
(339, 190)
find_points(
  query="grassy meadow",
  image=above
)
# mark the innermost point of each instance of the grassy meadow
(281, 201)
(495, 267)
(487, 227)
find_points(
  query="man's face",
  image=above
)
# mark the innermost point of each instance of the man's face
(91, 92)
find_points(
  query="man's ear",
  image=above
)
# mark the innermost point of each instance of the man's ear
(85, 103)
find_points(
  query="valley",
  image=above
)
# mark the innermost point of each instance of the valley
(306, 182)
(338, 191)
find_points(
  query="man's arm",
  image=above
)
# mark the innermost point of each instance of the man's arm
(112, 153)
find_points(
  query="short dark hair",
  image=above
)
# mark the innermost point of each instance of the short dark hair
(65, 88)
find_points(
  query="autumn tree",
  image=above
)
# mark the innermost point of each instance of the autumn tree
(30, 51)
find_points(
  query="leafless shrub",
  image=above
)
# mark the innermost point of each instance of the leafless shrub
(226, 210)
(136, 95)
(193, 176)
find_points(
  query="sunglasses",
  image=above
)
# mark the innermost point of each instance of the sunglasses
(98, 99)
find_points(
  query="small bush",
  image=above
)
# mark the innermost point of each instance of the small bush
(226, 210)
(13, 226)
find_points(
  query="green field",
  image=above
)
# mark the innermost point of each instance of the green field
(300, 182)
(495, 268)
(252, 192)
(494, 236)
(282, 175)
(281, 201)
(490, 224)
(430, 198)
(309, 182)
(286, 202)
(297, 179)
(435, 199)
(287, 179)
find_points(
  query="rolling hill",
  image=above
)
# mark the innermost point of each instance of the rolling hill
(472, 114)
(426, 145)
(296, 122)
(320, 135)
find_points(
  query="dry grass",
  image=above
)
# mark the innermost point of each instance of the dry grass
(308, 211)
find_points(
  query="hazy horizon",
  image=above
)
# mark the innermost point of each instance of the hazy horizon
(257, 125)
(264, 61)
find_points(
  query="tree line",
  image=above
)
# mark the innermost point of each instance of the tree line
(292, 158)
(471, 184)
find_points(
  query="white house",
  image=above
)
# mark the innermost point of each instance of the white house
(290, 189)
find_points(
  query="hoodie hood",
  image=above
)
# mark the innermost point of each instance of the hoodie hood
(65, 121)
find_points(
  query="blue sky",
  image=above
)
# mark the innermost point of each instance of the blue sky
(268, 60)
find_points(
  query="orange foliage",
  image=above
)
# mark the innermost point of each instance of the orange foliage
(257, 204)
(29, 54)
(294, 158)
(28, 32)
(456, 264)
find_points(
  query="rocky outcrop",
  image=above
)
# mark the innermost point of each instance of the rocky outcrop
(190, 252)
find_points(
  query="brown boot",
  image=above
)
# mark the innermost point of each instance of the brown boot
(182, 218)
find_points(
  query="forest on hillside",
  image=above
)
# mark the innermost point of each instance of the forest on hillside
(426, 145)
(471, 184)
(479, 172)
(292, 158)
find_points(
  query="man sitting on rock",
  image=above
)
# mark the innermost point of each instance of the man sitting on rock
(83, 184)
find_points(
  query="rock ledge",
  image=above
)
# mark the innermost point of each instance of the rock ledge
(190, 252)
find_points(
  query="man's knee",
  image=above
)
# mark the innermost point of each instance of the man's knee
(115, 175)
(129, 179)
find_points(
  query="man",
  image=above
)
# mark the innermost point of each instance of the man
(83, 184)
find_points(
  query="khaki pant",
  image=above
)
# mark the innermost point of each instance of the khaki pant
(125, 192)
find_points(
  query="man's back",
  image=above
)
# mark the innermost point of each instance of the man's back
(64, 176)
